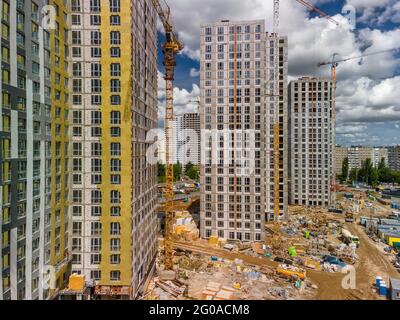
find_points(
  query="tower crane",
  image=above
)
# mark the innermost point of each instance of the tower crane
(171, 48)
(334, 63)
(317, 10)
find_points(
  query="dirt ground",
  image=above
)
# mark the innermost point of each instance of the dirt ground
(372, 262)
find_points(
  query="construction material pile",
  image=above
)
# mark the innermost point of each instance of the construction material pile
(204, 277)
(185, 227)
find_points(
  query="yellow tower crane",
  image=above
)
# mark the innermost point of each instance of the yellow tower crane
(171, 48)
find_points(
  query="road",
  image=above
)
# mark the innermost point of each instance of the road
(372, 263)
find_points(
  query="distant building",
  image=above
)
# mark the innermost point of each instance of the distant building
(311, 141)
(394, 157)
(357, 155)
(187, 138)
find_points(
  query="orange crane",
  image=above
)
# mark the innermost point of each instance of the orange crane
(317, 10)
(171, 48)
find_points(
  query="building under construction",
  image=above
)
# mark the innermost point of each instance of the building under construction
(243, 92)
(311, 141)
(114, 105)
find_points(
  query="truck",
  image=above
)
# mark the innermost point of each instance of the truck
(349, 238)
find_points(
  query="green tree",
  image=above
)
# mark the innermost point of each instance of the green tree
(353, 176)
(374, 177)
(345, 170)
(366, 171)
(177, 171)
(188, 167)
(193, 173)
(161, 172)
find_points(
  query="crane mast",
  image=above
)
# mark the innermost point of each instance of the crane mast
(171, 48)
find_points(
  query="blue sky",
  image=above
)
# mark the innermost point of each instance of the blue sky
(368, 104)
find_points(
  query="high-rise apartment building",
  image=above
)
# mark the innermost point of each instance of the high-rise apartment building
(114, 105)
(240, 65)
(187, 138)
(311, 141)
(34, 180)
(394, 157)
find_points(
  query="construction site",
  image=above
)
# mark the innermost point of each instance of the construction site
(347, 250)
(310, 252)
(323, 254)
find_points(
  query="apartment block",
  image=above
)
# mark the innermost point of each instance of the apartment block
(394, 157)
(187, 138)
(312, 141)
(240, 65)
(114, 103)
(34, 180)
(357, 155)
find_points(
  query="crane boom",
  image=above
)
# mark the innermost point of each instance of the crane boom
(317, 10)
(356, 57)
(171, 48)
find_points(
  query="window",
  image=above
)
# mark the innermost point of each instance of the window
(115, 197)
(96, 196)
(115, 5)
(115, 85)
(115, 117)
(115, 275)
(115, 245)
(115, 165)
(115, 228)
(95, 274)
(96, 70)
(115, 100)
(95, 228)
(96, 211)
(115, 20)
(76, 37)
(115, 37)
(115, 259)
(95, 258)
(95, 20)
(95, 37)
(115, 149)
(115, 211)
(115, 52)
(115, 70)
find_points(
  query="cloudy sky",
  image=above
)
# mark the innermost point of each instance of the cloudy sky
(368, 96)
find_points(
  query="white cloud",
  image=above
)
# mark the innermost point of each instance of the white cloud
(366, 100)
(184, 100)
(377, 12)
(362, 94)
(194, 73)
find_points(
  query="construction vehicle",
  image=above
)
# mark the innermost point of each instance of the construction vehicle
(348, 238)
(171, 48)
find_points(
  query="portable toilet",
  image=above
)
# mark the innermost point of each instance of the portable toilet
(378, 281)
(383, 289)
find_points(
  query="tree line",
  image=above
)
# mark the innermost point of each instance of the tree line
(368, 173)
(190, 170)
